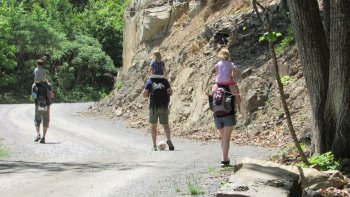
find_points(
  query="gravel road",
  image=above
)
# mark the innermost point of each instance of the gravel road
(86, 156)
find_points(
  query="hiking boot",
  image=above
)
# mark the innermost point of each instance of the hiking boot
(225, 164)
(37, 138)
(42, 140)
(170, 144)
(154, 148)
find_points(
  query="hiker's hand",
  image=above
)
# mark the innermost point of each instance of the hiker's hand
(52, 94)
(170, 91)
(239, 108)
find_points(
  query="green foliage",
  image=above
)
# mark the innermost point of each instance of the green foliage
(325, 161)
(3, 151)
(286, 79)
(286, 41)
(118, 84)
(84, 40)
(270, 36)
(194, 188)
(177, 187)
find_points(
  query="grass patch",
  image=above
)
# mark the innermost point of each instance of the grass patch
(193, 187)
(177, 187)
(212, 170)
(3, 151)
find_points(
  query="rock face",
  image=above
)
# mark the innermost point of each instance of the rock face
(147, 21)
(189, 34)
(261, 179)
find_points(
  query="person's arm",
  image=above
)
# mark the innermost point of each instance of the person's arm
(233, 71)
(150, 68)
(237, 98)
(237, 95)
(164, 71)
(145, 93)
(170, 91)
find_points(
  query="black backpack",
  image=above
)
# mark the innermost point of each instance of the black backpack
(42, 95)
(159, 95)
(221, 102)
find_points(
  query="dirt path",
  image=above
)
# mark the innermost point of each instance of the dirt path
(90, 157)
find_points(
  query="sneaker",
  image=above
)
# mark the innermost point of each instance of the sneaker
(154, 148)
(37, 138)
(225, 164)
(42, 140)
(170, 144)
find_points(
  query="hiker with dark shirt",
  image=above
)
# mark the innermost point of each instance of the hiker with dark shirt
(158, 91)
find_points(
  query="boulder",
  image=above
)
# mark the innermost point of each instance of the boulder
(261, 179)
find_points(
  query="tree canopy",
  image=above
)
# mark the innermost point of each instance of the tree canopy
(82, 38)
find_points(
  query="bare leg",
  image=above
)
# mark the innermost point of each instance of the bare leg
(232, 88)
(44, 131)
(167, 131)
(154, 134)
(213, 89)
(221, 131)
(235, 91)
(38, 130)
(225, 142)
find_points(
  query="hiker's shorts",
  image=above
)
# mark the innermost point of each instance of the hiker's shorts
(159, 113)
(42, 116)
(225, 121)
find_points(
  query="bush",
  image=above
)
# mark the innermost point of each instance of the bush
(325, 161)
(286, 79)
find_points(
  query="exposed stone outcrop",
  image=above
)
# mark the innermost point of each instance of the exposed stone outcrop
(189, 34)
(147, 23)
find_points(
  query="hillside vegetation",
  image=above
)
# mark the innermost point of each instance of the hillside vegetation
(82, 40)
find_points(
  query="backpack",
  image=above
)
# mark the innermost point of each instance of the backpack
(221, 102)
(159, 96)
(42, 96)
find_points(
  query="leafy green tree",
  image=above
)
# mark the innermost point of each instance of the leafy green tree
(84, 39)
(7, 55)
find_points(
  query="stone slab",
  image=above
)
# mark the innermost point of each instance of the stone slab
(255, 180)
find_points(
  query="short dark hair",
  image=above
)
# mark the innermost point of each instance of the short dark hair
(40, 62)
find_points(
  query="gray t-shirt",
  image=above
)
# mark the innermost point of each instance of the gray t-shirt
(39, 75)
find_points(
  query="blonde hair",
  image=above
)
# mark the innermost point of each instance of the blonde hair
(157, 56)
(224, 54)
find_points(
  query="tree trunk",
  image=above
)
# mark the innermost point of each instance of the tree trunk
(284, 5)
(337, 114)
(314, 54)
(326, 19)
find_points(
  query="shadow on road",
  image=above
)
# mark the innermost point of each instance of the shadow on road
(9, 167)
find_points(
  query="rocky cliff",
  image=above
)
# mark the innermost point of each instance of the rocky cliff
(189, 34)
